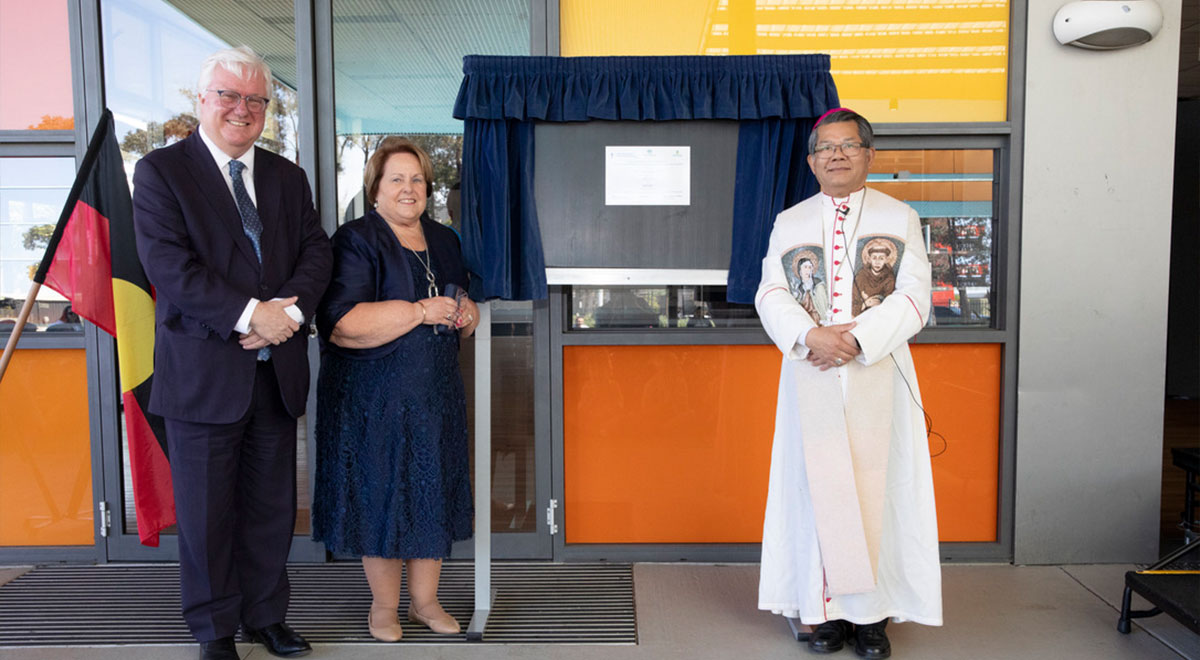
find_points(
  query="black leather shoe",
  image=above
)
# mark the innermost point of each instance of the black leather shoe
(870, 641)
(829, 637)
(280, 640)
(219, 649)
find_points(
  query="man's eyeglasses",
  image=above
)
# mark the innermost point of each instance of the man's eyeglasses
(230, 100)
(849, 149)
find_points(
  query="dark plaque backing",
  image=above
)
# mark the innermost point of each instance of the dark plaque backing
(579, 231)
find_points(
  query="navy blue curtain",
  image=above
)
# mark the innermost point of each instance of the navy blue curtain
(502, 243)
(772, 174)
(774, 96)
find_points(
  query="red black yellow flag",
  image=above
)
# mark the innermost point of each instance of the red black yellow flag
(92, 260)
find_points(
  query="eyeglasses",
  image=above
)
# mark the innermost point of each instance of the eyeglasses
(849, 149)
(230, 100)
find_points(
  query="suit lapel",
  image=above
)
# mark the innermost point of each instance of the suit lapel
(216, 192)
(267, 191)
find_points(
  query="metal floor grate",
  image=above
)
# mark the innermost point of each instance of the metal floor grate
(536, 603)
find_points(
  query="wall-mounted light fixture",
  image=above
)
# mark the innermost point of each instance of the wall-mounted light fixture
(1107, 24)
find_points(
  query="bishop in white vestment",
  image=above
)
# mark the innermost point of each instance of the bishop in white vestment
(850, 535)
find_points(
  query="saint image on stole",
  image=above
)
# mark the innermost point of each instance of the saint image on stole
(804, 266)
(875, 271)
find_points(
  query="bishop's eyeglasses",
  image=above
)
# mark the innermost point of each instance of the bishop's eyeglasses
(230, 100)
(849, 149)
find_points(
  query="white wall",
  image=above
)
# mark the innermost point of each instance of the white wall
(1095, 234)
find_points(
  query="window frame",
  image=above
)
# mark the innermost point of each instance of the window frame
(83, 27)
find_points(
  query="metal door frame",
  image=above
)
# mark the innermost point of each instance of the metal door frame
(538, 543)
(314, 55)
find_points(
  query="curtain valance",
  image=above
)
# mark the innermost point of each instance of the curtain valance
(645, 88)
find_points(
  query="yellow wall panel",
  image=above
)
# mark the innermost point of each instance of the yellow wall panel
(633, 27)
(892, 60)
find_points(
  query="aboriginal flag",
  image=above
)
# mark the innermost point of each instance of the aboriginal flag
(92, 260)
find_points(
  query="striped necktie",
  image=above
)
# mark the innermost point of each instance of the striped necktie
(251, 224)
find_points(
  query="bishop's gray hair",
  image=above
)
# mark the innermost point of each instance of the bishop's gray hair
(865, 132)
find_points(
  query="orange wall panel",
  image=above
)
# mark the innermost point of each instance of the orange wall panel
(45, 451)
(960, 387)
(672, 444)
(667, 444)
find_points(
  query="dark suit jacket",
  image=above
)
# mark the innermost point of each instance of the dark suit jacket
(202, 265)
(370, 265)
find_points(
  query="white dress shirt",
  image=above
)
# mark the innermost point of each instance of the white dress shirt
(243, 324)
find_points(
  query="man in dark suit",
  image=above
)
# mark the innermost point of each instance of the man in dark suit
(231, 242)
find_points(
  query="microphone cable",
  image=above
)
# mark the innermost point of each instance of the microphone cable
(929, 432)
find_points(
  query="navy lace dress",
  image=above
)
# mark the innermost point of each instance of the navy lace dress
(392, 464)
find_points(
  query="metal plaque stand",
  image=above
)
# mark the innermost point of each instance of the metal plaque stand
(485, 596)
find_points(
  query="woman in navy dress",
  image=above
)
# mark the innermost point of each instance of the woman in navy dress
(392, 483)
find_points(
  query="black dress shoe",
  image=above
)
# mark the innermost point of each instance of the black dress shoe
(280, 640)
(829, 637)
(219, 649)
(870, 641)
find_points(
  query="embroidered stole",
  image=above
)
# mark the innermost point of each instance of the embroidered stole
(846, 443)
(846, 440)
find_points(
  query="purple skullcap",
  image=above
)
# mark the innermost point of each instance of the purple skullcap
(827, 113)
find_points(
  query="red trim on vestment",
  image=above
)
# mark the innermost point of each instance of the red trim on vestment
(764, 294)
(824, 598)
(914, 305)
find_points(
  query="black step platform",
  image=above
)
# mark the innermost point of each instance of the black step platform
(1172, 585)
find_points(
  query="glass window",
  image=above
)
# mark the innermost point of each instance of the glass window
(32, 194)
(952, 192)
(303, 487)
(896, 61)
(632, 307)
(152, 57)
(35, 66)
(398, 72)
(514, 481)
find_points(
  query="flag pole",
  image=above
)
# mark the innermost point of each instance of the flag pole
(11, 346)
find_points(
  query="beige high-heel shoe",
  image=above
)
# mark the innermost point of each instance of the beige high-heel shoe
(444, 624)
(391, 632)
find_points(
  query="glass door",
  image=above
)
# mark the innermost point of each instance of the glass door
(396, 71)
(152, 55)
(520, 456)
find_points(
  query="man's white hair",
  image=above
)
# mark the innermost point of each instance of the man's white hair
(242, 62)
